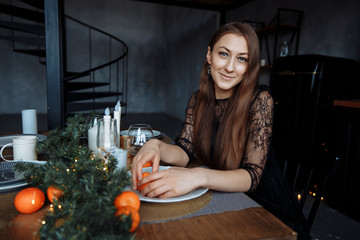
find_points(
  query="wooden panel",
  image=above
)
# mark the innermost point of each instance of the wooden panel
(347, 103)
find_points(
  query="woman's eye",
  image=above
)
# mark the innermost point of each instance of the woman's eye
(242, 59)
(224, 54)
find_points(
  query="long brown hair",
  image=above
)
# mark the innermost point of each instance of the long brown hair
(232, 134)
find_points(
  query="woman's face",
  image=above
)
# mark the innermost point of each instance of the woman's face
(229, 62)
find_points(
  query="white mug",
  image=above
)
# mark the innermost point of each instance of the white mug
(24, 148)
(29, 121)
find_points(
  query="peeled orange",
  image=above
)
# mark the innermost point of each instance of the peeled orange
(144, 174)
(147, 164)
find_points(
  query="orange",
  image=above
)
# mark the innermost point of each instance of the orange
(147, 164)
(135, 217)
(53, 193)
(144, 174)
(127, 199)
(29, 200)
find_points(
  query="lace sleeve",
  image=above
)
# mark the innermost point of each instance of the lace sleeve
(185, 139)
(260, 130)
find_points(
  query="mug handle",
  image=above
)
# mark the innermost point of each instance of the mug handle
(2, 149)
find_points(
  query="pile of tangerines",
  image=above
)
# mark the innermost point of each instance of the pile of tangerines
(127, 203)
(32, 199)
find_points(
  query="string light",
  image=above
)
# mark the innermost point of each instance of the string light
(43, 222)
(299, 196)
(59, 207)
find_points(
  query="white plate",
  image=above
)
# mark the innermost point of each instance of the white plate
(191, 195)
(155, 132)
(8, 138)
(9, 180)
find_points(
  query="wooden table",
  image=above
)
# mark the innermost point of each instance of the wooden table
(248, 223)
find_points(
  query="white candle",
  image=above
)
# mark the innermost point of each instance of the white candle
(29, 121)
(121, 156)
(117, 116)
(107, 118)
(92, 133)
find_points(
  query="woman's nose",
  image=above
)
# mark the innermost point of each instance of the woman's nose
(230, 65)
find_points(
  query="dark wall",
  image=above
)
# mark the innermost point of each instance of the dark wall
(167, 46)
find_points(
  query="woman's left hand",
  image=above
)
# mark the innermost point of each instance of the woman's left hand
(171, 182)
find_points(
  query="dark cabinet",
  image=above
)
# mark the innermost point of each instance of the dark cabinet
(285, 26)
(344, 186)
(308, 129)
(304, 88)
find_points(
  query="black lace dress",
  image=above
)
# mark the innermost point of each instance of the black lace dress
(269, 187)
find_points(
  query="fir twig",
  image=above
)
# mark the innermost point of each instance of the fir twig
(85, 210)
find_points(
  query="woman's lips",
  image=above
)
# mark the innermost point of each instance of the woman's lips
(226, 76)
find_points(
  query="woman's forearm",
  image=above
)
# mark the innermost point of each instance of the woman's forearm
(172, 154)
(237, 180)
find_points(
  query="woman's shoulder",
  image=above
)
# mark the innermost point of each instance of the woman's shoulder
(261, 92)
(261, 88)
(192, 99)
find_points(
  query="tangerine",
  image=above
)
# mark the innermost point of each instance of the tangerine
(135, 216)
(29, 200)
(147, 164)
(127, 199)
(144, 174)
(53, 193)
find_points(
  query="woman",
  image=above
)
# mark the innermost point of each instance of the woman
(228, 127)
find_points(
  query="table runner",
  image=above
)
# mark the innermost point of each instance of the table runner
(220, 202)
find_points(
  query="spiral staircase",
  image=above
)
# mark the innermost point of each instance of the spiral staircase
(90, 80)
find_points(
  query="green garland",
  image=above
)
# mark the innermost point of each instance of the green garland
(85, 210)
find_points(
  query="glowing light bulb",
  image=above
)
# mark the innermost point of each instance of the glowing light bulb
(299, 196)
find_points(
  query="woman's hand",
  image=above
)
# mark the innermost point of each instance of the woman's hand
(172, 182)
(150, 152)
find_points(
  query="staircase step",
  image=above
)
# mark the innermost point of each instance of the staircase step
(79, 96)
(35, 3)
(39, 53)
(77, 107)
(38, 41)
(24, 27)
(73, 86)
(22, 13)
(74, 75)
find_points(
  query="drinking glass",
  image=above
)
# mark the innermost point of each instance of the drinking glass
(137, 136)
(107, 137)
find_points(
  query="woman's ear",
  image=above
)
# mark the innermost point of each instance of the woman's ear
(208, 55)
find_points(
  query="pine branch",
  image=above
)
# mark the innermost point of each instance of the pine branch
(85, 210)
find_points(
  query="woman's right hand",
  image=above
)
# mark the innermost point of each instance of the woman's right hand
(150, 152)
